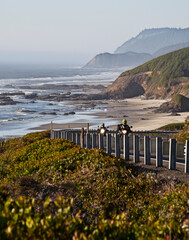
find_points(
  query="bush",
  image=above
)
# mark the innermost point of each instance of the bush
(83, 194)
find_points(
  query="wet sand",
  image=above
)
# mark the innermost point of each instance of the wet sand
(138, 111)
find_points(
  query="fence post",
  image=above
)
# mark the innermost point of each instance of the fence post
(117, 145)
(108, 146)
(82, 138)
(159, 156)
(74, 137)
(87, 127)
(146, 150)
(88, 141)
(94, 140)
(187, 156)
(61, 134)
(52, 134)
(126, 147)
(66, 135)
(101, 143)
(69, 136)
(58, 134)
(135, 149)
(78, 138)
(172, 154)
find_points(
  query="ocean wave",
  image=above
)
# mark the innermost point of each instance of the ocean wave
(11, 119)
(79, 79)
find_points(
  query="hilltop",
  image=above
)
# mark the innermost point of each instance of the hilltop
(151, 40)
(162, 77)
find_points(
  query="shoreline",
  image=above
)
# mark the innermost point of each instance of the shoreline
(139, 113)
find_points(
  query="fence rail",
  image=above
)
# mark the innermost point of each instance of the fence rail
(151, 145)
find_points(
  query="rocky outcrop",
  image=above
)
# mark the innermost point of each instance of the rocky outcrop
(178, 103)
(6, 100)
(127, 87)
(169, 107)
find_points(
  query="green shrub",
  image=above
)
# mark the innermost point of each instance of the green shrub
(83, 194)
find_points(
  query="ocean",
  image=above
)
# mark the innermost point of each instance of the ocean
(19, 114)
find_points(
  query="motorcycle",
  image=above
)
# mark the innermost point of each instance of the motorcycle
(102, 129)
(123, 129)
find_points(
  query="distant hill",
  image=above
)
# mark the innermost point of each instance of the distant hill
(171, 48)
(161, 77)
(129, 59)
(151, 40)
(148, 44)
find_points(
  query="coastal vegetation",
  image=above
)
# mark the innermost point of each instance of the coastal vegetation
(167, 68)
(181, 100)
(183, 135)
(53, 189)
(172, 127)
(162, 77)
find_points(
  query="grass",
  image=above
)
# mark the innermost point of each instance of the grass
(172, 127)
(167, 68)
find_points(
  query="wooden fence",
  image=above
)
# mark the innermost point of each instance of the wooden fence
(150, 146)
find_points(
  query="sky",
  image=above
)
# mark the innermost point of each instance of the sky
(74, 31)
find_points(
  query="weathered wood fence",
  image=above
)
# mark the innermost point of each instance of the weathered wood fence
(137, 146)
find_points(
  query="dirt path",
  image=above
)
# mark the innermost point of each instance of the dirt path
(177, 175)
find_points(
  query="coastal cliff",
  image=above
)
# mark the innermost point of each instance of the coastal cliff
(162, 77)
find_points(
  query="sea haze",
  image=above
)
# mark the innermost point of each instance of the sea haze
(18, 81)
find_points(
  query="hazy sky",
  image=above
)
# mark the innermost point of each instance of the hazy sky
(67, 30)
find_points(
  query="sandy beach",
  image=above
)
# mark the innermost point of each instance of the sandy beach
(138, 111)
